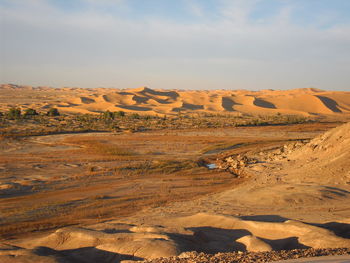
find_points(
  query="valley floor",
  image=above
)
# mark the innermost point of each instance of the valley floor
(153, 193)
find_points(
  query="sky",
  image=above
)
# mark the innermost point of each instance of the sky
(176, 44)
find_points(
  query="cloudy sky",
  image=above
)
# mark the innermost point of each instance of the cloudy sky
(184, 44)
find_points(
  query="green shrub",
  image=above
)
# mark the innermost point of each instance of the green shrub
(14, 113)
(30, 112)
(107, 115)
(119, 113)
(53, 112)
(135, 116)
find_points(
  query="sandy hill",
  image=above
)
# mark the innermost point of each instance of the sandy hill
(307, 102)
(317, 173)
(327, 157)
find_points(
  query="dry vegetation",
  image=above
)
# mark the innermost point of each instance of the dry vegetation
(21, 125)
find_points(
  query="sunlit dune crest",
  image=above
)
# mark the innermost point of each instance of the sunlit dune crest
(306, 102)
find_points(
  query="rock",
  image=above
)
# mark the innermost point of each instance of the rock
(188, 254)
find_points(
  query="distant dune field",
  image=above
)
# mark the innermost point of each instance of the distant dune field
(306, 102)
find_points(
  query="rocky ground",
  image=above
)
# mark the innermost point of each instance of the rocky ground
(245, 257)
(237, 163)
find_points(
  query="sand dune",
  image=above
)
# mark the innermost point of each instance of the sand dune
(263, 236)
(202, 232)
(305, 102)
(86, 100)
(144, 100)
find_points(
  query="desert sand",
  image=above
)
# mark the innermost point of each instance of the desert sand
(292, 192)
(306, 102)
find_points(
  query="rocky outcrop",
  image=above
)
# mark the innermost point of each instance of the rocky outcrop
(236, 164)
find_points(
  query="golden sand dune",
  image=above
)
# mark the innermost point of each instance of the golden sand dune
(145, 100)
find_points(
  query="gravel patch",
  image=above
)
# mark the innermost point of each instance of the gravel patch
(245, 257)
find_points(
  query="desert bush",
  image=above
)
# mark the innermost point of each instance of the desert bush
(53, 112)
(107, 115)
(30, 112)
(14, 113)
(119, 113)
(135, 116)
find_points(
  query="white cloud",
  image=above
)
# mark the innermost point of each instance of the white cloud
(194, 8)
(237, 11)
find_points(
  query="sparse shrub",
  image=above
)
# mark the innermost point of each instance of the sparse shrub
(53, 112)
(14, 113)
(135, 116)
(30, 112)
(119, 113)
(107, 115)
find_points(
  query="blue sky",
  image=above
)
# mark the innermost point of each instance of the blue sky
(183, 44)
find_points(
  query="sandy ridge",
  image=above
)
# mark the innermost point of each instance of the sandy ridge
(307, 102)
